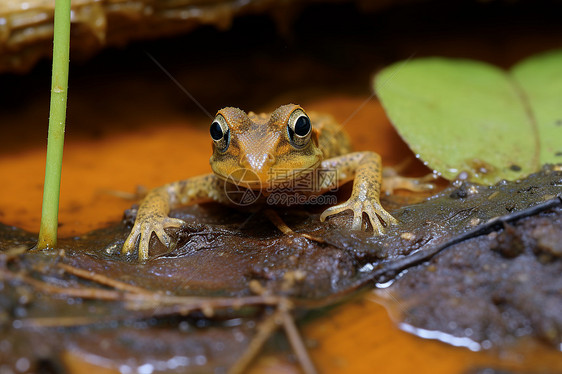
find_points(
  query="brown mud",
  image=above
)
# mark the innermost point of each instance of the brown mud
(478, 264)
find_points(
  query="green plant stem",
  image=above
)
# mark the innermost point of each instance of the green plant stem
(57, 118)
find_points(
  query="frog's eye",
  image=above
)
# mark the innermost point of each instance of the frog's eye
(220, 133)
(299, 128)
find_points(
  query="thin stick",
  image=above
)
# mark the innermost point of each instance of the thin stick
(140, 299)
(46, 322)
(12, 253)
(297, 343)
(392, 268)
(83, 292)
(143, 300)
(57, 118)
(265, 330)
(102, 279)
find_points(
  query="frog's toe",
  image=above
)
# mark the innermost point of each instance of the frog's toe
(334, 210)
(173, 223)
(397, 182)
(422, 184)
(357, 223)
(161, 234)
(355, 207)
(131, 240)
(144, 230)
(164, 238)
(168, 223)
(377, 215)
(146, 234)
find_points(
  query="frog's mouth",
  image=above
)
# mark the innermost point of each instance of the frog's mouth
(271, 178)
(245, 178)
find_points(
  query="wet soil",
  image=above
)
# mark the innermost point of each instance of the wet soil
(492, 289)
(480, 264)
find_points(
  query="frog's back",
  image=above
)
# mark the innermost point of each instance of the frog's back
(332, 139)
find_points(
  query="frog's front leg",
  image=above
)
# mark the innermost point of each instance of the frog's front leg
(152, 215)
(365, 169)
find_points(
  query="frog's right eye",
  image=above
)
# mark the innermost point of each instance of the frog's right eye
(220, 133)
(299, 128)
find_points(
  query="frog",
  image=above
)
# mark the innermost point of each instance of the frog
(265, 152)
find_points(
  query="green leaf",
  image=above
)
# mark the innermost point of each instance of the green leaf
(540, 78)
(464, 115)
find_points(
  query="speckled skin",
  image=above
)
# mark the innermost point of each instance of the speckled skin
(261, 144)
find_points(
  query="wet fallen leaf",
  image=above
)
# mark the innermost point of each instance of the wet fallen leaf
(540, 78)
(470, 116)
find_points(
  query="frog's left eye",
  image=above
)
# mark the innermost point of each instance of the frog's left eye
(220, 133)
(299, 128)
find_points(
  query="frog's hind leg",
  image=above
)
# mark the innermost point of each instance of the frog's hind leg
(274, 217)
(393, 181)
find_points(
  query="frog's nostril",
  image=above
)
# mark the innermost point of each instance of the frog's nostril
(270, 157)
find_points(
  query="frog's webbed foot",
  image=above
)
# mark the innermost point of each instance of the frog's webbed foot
(392, 181)
(372, 208)
(143, 228)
